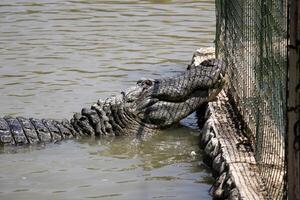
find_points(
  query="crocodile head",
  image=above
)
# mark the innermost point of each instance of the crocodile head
(162, 102)
(153, 104)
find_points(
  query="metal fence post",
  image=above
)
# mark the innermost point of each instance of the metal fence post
(293, 101)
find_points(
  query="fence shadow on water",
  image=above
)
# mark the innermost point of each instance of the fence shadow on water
(251, 38)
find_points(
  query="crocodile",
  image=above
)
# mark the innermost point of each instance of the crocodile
(150, 105)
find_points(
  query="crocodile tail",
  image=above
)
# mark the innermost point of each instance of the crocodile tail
(20, 130)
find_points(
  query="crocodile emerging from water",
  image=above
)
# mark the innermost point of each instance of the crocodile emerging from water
(143, 109)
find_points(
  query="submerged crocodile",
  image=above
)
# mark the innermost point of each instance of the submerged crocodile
(143, 109)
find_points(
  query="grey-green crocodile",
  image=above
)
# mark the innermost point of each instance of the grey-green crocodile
(149, 106)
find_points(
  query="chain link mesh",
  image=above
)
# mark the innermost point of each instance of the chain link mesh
(251, 37)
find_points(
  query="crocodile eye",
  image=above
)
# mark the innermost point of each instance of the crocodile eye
(147, 82)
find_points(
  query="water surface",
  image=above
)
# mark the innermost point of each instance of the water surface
(59, 56)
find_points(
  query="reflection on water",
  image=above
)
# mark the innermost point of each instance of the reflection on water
(61, 55)
(160, 167)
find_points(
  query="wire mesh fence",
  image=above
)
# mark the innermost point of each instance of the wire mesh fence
(251, 38)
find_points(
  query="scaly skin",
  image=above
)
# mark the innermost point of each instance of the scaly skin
(143, 109)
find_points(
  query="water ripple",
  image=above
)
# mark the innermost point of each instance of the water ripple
(104, 196)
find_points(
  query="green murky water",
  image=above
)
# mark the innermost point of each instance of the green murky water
(58, 56)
